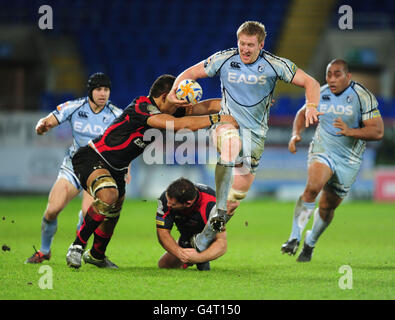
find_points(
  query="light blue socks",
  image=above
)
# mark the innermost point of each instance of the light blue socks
(302, 214)
(48, 230)
(319, 226)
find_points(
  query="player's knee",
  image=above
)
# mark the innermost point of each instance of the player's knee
(109, 196)
(236, 195)
(234, 199)
(106, 203)
(169, 262)
(227, 141)
(162, 264)
(52, 211)
(104, 186)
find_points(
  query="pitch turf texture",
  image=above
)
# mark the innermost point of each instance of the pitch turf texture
(361, 236)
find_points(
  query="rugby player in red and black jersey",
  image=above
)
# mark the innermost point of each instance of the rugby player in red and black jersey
(102, 164)
(188, 206)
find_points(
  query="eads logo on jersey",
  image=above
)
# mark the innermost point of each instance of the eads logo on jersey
(234, 77)
(88, 128)
(338, 110)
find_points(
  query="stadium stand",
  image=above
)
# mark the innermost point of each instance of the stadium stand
(134, 41)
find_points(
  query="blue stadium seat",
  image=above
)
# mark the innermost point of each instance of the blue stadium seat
(147, 38)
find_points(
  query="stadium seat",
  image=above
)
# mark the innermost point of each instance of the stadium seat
(109, 33)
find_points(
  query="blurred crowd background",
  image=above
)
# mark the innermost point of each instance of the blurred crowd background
(136, 41)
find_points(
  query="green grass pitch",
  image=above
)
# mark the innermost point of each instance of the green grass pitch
(361, 236)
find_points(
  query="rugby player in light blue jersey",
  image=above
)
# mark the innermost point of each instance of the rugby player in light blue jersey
(351, 117)
(248, 77)
(88, 118)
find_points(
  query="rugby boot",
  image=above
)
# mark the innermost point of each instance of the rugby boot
(290, 247)
(306, 253)
(74, 255)
(38, 256)
(101, 263)
(218, 223)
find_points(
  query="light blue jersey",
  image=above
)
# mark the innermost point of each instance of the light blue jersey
(247, 89)
(354, 105)
(85, 125)
(340, 153)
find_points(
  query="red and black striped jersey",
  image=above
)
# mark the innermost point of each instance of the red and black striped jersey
(191, 220)
(124, 140)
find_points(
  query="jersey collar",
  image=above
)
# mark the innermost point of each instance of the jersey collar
(152, 100)
(340, 93)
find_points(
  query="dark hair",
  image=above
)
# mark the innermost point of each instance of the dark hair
(97, 80)
(342, 62)
(162, 85)
(182, 190)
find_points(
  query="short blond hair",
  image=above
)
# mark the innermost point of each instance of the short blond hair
(252, 28)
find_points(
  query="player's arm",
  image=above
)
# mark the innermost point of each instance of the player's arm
(214, 251)
(312, 89)
(208, 106)
(195, 72)
(169, 243)
(45, 124)
(297, 128)
(194, 123)
(373, 129)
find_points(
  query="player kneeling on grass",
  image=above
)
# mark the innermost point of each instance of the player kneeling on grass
(102, 164)
(189, 207)
(350, 117)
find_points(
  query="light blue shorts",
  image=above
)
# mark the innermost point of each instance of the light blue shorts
(344, 174)
(66, 172)
(251, 151)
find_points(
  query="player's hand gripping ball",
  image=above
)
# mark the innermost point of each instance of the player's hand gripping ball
(190, 91)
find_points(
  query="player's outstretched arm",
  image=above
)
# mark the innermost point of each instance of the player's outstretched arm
(208, 106)
(297, 128)
(195, 72)
(312, 88)
(194, 123)
(45, 124)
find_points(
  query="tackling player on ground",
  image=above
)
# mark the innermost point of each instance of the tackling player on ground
(350, 118)
(189, 207)
(88, 118)
(248, 77)
(101, 165)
